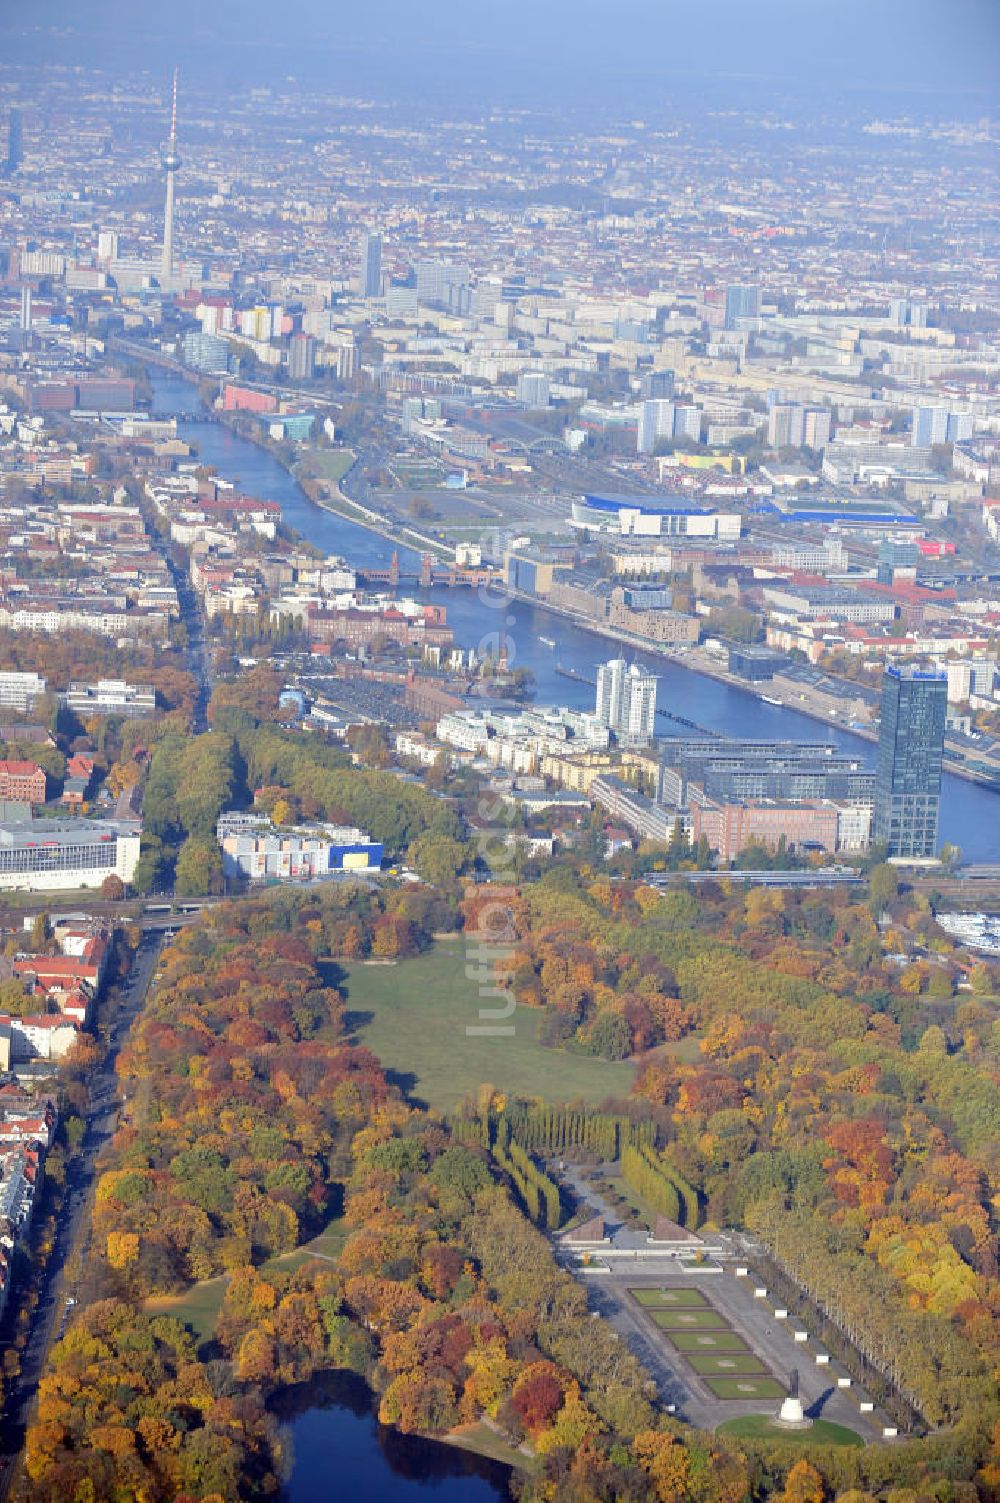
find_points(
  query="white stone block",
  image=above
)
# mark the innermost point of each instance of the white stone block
(742, 1273)
(781, 1314)
(760, 1294)
(843, 1382)
(889, 1432)
(801, 1335)
(822, 1358)
(866, 1406)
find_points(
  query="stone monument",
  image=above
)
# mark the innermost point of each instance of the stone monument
(791, 1415)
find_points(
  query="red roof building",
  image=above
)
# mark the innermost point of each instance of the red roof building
(22, 781)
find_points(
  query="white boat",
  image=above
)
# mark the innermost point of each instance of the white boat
(769, 699)
(547, 641)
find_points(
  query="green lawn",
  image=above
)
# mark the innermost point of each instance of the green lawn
(734, 1363)
(662, 1298)
(746, 1388)
(333, 464)
(820, 1433)
(484, 1441)
(689, 1320)
(326, 1245)
(708, 1341)
(418, 1017)
(198, 1307)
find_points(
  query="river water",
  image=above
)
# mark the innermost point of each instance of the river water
(970, 815)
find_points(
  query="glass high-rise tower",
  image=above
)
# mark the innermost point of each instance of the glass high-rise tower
(15, 148)
(910, 754)
(371, 266)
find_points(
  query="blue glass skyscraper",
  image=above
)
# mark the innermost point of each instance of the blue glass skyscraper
(910, 754)
(371, 266)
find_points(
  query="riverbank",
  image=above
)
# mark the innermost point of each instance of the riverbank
(968, 810)
(695, 660)
(362, 516)
(338, 503)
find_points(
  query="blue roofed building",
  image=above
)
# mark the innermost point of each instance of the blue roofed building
(652, 516)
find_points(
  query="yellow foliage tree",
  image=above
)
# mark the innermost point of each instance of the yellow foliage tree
(123, 1249)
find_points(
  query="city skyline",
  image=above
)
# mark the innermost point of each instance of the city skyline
(499, 752)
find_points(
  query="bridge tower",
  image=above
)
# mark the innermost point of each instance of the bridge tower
(394, 569)
(425, 571)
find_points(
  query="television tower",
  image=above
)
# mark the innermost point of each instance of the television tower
(171, 161)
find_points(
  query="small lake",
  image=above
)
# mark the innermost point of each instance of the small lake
(337, 1450)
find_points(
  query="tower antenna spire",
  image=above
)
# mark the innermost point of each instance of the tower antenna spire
(170, 158)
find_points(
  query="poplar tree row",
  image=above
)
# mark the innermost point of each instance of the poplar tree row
(556, 1130)
(652, 1177)
(544, 1129)
(538, 1194)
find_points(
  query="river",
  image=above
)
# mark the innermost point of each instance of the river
(970, 814)
(335, 1448)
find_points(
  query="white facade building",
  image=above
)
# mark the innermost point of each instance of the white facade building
(626, 700)
(656, 421)
(18, 691)
(52, 855)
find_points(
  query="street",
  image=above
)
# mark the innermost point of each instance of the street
(54, 1293)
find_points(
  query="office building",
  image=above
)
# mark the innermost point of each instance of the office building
(647, 820)
(905, 314)
(693, 769)
(930, 426)
(340, 354)
(301, 357)
(370, 280)
(48, 855)
(959, 427)
(658, 386)
(18, 691)
(816, 427)
(687, 423)
(443, 285)
(111, 696)
(910, 752)
(259, 851)
(15, 144)
(786, 424)
(730, 827)
(533, 389)
(107, 245)
(207, 353)
(742, 302)
(656, 422)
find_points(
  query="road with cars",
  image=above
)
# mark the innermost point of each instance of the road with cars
(57, 1294)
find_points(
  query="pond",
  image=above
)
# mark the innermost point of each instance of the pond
(336, 1449)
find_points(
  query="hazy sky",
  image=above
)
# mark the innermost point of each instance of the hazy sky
(610, 51)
